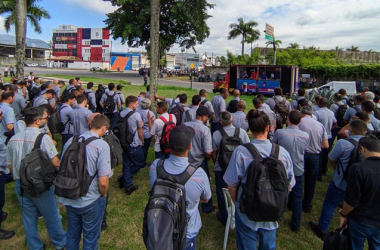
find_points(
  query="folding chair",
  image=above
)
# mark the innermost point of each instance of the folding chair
(230, 206)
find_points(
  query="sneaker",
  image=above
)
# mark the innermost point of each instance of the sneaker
(120, 181)
(104, 226)
(3, 217)
(317, 231)
(131, 189)
(4, 235)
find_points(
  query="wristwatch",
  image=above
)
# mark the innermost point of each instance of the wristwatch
(341, 214)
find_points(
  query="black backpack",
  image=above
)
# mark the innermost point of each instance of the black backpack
(165, 218)
(203, 102)
(109, 104)
(37, 173)
(340, 114)
(282, 109)
(115, 149)
(34, 92)
(90, 106)
(66, 91)
(338, 240)
(98, 95)
(232, 106)
(121, 131)
(227, 147)
(265, 194)
(178, 111)
(73, 180)
(54, 122)
(357, 109)
(354, 158)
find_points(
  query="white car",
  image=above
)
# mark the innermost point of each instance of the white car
(34, 65)
(136, 69)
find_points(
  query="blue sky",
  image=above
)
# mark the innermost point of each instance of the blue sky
(324, 23)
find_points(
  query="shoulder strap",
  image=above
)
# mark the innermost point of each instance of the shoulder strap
(237, 132)
(275, 100)
(181, 178)
(38, 141)
(170, 117)
(204, 102)
(129, 114)
(89, 140)
(113, 94)
(164, 120)
(223, 132)
(253, 150)
(352, 141)
(283, 101)
(275, 152)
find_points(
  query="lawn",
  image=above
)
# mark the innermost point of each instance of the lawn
(125, 213)
(95, 80)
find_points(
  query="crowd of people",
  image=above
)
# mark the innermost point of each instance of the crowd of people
(297, 138)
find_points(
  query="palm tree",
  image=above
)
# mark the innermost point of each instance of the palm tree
(294, 46)
(251, 39)
(353, 48)
(245, 29)
(277, 43)
(34, 14)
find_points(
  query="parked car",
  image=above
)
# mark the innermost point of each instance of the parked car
(96, 68)
(43, 65)
(136, 69)
(34, 65)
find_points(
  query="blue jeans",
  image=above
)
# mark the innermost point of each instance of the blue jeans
(47, 205)
(360, 232)
(2, 193)
(220, 184)
(132, 162)
(191, 243)
(333, 198)
(247, 238)
(145, 148)
(311, 173)
(161, 155)
(87, 219)
(206, 207)
(113, 119)
(215, 126)
(295, 200)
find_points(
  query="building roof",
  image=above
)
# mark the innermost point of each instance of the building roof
(7, 39)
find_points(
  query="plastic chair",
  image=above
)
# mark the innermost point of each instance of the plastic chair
(230, 206)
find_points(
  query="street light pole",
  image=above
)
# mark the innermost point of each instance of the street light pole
(274, 50)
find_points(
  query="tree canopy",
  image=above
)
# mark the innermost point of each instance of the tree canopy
(181, 22)
(244, 29)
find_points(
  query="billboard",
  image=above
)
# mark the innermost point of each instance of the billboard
(65, 46)
(65, 38)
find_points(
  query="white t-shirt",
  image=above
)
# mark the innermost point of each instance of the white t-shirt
(157, 127)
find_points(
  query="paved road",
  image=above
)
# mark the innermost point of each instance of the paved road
(130, 76)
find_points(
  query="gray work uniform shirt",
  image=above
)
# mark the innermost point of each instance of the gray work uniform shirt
(316, 131)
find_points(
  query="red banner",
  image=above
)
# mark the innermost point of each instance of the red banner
(79, 43)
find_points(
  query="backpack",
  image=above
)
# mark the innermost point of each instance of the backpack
(281, 109)
(65, 92)
(90, 106)
(178, 111)
(165, 217)
(203, 102)
(54, 122)
(338, 240)
(376, 112)
(37, 173)
(340, 114)
(188, 116)
(121, 131)
(109, 104)
(164, 140)
(349, 103)
(232, 106)
(354, 158)
(73, 180)
(33, 93)
(265, 194)
(227, 147)
(115, 149)
(98, 95)
(357, 109)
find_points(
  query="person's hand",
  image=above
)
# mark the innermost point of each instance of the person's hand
(54, 142)
(148, 116)
(155, 95)
(342, 221)
(141, 123)
(355, 118)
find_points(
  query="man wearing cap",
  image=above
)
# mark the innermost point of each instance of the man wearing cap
(118, 92)
(197, 187)
(225, 120)
(201, 146)
(317, 142)
(147, 117)
(190, 114)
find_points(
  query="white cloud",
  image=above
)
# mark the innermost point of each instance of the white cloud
(2, 30)
(94, 5)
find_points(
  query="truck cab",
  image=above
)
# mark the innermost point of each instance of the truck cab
(221, 81)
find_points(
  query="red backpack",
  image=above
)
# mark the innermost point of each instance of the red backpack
(168, 127)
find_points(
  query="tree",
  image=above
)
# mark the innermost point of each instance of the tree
(182, 22)
(294, 46)
(353, 48)
(34, 14)
(154, 52)
(251, 39)
(277, 43)
(246, 30)
(20, 24)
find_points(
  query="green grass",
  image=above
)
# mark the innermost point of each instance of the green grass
(95, 80)
(125, 213)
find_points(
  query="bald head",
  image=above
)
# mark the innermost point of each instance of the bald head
(236, 93)
(323, 102)
(241, 106)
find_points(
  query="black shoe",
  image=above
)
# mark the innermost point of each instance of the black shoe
(104, 226)
(220, 219)
(3, 217)
(131, 189)
(4, 235)
(317, 231)
(294, 230)
(120, 181)
(211, 210)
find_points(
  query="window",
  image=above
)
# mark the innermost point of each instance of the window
(103, 58)
(104, 42)
(103, 51)
(96, 33)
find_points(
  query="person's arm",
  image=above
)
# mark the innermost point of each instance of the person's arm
(233, 192)
(346, 209)
(141, 134)
(208, 155)
(10, 168)
(103, 185)
(332, 163)
(342, 131)
(213, 156)
(55, 161)
(159, 98)
(149, 120)
(325, 144)
(334, 125)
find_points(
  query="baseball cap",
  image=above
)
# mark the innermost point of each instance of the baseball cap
(180, 138)
(202, 110)
(145, 103)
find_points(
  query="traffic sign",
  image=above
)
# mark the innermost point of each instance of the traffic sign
(269, 32)
(191, 65)
(268, 37)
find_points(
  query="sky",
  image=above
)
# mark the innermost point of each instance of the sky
(324, 23)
